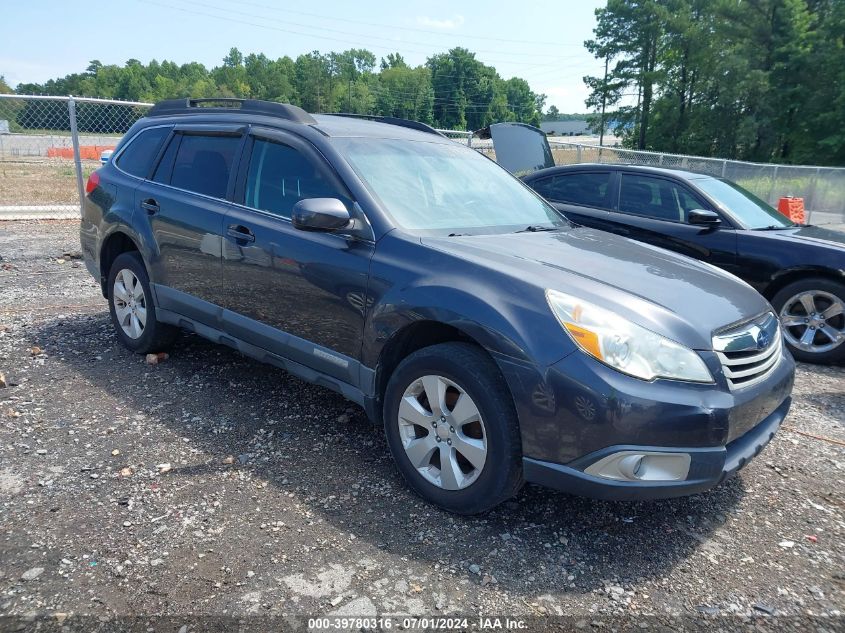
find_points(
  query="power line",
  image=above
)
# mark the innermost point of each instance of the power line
(406, 28)
(295, 32)
(329, 30)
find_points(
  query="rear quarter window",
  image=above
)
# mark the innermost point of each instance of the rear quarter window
(137, 159)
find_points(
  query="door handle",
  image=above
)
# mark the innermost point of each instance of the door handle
(150, 205)
(239, 232)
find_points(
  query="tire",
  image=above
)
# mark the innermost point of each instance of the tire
(461, 370)
(152, 335)
(821, 320)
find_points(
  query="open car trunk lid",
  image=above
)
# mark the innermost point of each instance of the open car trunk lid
(520, 148)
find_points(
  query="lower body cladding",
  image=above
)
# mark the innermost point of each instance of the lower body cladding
(589, 430)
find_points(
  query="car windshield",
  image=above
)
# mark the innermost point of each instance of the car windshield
(743, 205)
(442, 187)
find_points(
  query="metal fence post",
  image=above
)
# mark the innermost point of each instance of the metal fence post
(810, 202)
(469, 139)
(771, 200)
(579, 153)
(77, 161)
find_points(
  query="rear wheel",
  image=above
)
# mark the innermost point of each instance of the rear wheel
(812, 314)
(452, 428)
(131, 307)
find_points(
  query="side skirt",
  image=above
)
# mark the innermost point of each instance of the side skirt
(350, 392)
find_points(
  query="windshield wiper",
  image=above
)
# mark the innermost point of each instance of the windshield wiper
(459, 234)
(535, 228)
(774, 227)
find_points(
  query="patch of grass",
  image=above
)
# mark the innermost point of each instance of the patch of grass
(40, 181)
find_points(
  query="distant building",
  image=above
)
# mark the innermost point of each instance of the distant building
(565, 128)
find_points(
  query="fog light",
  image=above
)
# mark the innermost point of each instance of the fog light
(641, 466)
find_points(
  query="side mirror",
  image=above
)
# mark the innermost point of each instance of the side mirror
(320, 214)
(700, 216)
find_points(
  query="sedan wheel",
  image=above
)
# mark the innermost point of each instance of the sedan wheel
(442, 432)
(814, 321)
(130, 304)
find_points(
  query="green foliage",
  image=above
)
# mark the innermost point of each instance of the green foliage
(553, 114)
(760, 80)
(452, 90)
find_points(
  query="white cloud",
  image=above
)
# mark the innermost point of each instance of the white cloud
(445, 24)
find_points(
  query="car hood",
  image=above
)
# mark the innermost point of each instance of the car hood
(818, 235)
(673, 295)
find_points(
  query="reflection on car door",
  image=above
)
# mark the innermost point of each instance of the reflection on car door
(185, 204)
(309, 289)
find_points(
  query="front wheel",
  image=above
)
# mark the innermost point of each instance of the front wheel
(812, 315)
(452, 428)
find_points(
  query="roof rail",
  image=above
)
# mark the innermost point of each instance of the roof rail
(229, 104)
(414, 125)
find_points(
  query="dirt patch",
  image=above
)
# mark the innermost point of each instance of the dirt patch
(40, 181)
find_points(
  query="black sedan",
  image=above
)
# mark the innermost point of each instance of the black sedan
(799, 269)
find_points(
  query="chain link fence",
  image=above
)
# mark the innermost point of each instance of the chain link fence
(49, 146)
(822, 188)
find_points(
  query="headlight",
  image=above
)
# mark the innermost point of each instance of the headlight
(624, 345)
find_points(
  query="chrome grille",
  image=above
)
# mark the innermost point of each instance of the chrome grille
(751, 351)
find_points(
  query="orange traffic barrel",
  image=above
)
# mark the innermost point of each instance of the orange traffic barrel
(793, 208)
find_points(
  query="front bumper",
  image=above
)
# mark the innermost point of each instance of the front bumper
(579, 411)
(708, 467)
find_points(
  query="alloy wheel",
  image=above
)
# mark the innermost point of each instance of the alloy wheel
(442, 432)
(814, 321)
(130, 303)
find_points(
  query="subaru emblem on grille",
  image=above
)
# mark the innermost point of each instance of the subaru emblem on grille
(749, 352)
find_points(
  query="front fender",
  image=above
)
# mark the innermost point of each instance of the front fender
(506, 317)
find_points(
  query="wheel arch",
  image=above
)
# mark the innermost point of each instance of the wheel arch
(407, 340)
(785, 277)
(117, 243)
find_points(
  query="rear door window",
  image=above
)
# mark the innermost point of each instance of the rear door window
(590, 189)
(280, 176)
(203, 164)
(137, 159)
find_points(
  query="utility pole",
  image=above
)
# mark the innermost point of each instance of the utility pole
(349, 92)
(603, 100)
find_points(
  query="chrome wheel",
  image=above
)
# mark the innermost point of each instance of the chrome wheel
(814, 321)
(130, 303)
(442, 432)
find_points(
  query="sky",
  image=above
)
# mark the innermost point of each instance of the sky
(541, 41)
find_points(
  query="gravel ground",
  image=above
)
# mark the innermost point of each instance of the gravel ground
(210, 484)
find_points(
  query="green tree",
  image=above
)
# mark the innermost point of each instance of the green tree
(750, 79)
(629, 32)
(552, 114)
